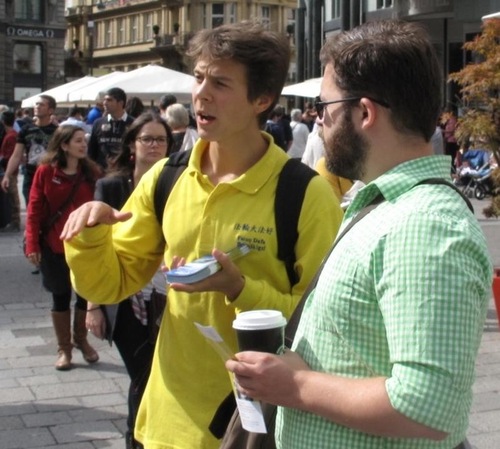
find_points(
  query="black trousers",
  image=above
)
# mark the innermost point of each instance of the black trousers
(132, 341)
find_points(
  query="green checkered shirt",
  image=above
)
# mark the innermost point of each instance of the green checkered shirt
(403, 295)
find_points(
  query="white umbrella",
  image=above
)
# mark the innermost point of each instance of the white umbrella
(150, 82)
(91, 92)
(308, 89)
(59, 93)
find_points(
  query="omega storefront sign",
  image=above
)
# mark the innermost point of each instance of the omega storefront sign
(34, 32)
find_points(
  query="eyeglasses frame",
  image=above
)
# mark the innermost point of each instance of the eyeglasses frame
(153, 140)
(320, 105)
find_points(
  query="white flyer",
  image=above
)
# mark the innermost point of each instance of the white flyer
(252, 418)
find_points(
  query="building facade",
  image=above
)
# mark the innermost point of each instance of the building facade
(449, 22)
(104, 36)
(32, 36)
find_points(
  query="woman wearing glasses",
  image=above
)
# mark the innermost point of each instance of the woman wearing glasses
(130, 324)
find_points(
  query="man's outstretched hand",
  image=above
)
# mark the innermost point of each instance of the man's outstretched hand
(91, 214)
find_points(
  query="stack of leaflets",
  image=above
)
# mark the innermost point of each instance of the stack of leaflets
(203, 267)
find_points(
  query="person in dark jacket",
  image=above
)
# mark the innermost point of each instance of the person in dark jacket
(107, 132)
(148, 140)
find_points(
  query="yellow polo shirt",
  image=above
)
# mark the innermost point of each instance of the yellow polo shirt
(188, 379)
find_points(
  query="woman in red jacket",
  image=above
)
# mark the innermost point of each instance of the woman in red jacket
(64, 180)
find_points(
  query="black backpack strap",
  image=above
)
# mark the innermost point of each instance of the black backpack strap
(290, 192)
(173, 168)
(444, 182)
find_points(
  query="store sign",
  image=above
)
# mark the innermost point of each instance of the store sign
(34, 32)
(20, 93)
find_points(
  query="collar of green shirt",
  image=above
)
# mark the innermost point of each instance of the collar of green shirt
(399, 180)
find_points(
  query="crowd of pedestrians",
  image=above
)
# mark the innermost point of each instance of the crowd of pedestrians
(372, 363)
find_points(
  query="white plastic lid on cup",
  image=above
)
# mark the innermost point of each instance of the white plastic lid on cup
(259, 320)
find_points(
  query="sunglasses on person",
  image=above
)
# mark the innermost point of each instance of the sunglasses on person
(320, 105)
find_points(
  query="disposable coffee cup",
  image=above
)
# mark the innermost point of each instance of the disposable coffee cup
(260, 330)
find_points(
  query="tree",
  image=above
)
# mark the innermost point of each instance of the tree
(480, 90)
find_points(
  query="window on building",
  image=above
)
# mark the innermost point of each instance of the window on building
(29, 10)
(265, 16)
(108, 34)
(290, 24)
(28, 58)
(134, 37)
(217, 14)
(336, 9)
(231, 12)
(120, 38)
(381, 4)
(148, 26)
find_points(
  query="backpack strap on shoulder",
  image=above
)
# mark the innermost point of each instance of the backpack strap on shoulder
(290, 192)
(173, 168)
(444, 182)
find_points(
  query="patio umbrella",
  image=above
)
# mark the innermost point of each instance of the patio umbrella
(308, 89)
(91, 92)
(150, 82)
(60, 93)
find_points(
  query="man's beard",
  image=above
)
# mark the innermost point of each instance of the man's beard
(346, 150)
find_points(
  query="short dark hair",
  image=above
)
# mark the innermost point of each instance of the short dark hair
(393, 61)
(75, 111)
(8, 118)
(265, 55)
(134, 107)
(166, 100)
(51, 102)
(118, 94)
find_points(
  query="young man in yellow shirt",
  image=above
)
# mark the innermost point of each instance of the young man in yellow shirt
(224, 197)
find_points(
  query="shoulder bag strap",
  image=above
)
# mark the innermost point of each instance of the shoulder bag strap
(64, 206)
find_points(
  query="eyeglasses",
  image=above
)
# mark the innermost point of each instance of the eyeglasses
(148, 140)
(320, 105)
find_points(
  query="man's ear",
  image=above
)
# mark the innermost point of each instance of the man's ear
(262, 103)
(369, 112)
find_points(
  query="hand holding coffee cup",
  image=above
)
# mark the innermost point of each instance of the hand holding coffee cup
(260, 330)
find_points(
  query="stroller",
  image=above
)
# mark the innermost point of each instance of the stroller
(474, 175)
(483, 185)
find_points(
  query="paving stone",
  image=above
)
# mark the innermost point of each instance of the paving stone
(38, 380)
(20, 394)
(46, 419)
(110, 444)
(21, 342)
(92, 430)
(55, 405)
(16, 409)
(93, 414)
(10, 423)
(102, 400)
(485, 441)
(58, 390)
(25, 438)
(486, 422)
(32, 361)
(12, 353)
(85, 445)
(8, 383)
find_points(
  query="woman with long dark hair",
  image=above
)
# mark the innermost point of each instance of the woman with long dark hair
(64, 180)
(129, 323)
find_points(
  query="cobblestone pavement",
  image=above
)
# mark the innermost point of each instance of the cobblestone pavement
(85, 408)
